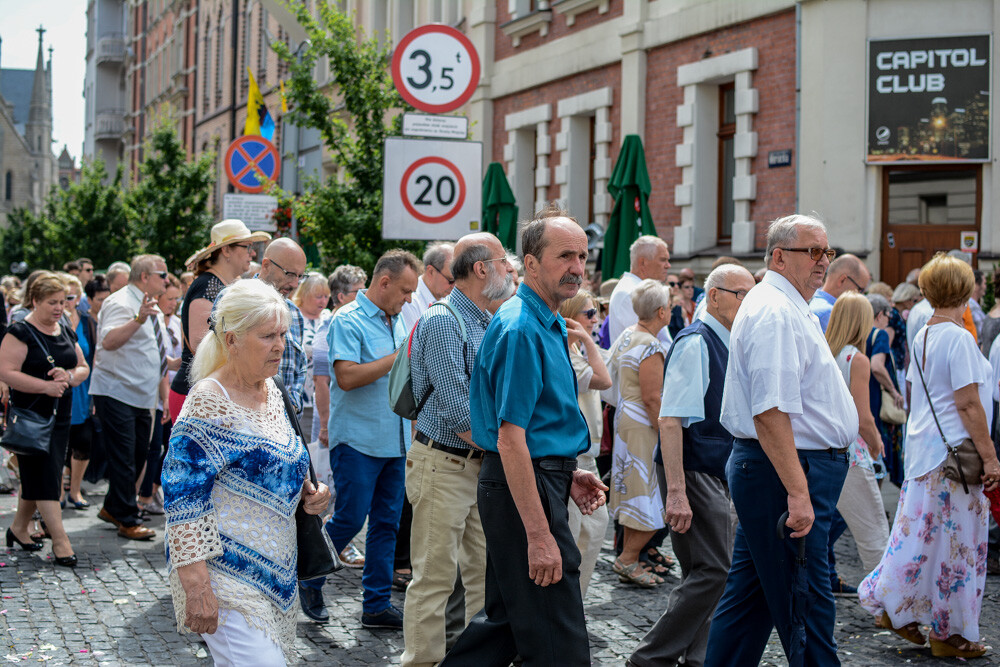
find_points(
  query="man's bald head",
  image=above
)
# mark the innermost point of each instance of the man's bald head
(283, 265)
(480, 268)
(846, 273)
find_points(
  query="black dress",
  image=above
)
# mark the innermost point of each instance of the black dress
(205, 286)
(41, 476)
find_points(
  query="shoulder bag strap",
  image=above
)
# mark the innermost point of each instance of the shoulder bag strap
(290, 411)
(947, 445)
(48, 358)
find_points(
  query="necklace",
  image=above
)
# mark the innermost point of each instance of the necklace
(951, 319)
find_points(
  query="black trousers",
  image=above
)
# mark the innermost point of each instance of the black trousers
(126, 431)
(545, 626)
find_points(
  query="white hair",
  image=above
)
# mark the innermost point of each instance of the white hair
(785, 230)
(722, 273)
(645, 247)
(648, 297)
(243, 306)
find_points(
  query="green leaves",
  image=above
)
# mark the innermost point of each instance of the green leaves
(165, 213)
(353, 117)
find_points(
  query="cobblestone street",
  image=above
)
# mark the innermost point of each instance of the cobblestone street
(115, 609)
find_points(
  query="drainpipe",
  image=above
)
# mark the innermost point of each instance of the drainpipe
(798, 99)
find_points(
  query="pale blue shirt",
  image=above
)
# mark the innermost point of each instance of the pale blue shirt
(362, 417)
(822, 305)
(686, 379)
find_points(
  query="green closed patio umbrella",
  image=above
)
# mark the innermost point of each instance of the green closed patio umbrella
(630, 219)
(499, 207)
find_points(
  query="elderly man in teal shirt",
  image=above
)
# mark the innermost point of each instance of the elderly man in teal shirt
(525, 415)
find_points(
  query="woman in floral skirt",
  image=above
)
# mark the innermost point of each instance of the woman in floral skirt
(934, 570)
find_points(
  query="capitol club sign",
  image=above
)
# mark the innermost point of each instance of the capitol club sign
(929, 99)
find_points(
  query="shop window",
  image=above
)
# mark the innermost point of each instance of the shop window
(726, 209)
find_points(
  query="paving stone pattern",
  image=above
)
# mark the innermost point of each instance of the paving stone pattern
(115, 609)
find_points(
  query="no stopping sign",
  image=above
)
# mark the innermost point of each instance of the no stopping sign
(435, 68)
(431, 189)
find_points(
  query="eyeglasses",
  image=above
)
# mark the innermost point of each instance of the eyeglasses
(815, 254)
(497, 259)
(162, 274)
(71, 297)
(589, 313)
(860, 288)
(738, 293)
(451, 281)
(288, 274)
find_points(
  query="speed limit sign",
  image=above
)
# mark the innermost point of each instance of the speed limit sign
(435, 68)
(432, 189)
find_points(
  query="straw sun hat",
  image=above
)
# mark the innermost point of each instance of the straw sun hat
(226, 233)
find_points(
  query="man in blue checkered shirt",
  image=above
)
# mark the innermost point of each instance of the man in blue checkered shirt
(282, 268)
(442, 466)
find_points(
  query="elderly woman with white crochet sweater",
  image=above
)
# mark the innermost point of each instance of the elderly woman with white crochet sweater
(232, 479)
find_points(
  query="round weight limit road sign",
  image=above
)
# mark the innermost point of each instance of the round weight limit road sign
(249, 160)
(432, 190)
(435, 68)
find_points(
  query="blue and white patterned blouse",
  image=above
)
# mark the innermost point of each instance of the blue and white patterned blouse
(231, 483)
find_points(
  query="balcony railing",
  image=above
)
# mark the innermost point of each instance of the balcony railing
(109, 124)
(111, 49)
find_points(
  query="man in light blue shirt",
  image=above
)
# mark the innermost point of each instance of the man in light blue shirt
(368, 441)
(846, 273)
(695, 448)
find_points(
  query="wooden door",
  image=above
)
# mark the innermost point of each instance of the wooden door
(924, 211)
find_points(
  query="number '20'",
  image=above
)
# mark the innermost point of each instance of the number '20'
(427, 181)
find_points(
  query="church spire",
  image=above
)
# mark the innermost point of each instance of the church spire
(38, 129)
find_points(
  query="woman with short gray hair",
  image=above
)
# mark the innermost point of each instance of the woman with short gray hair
(637, 369)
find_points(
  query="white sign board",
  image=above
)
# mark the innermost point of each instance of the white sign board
(431, 189)
(435, 127)
(256, 211)
(435, 68)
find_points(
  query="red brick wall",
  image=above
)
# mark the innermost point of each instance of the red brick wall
(557, 28)
(774, 79)
(551, 93)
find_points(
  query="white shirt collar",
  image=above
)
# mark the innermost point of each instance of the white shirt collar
(424, 291)
(782, 284)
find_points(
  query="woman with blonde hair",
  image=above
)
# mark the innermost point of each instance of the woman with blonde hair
(232, 479)
(580, 313)
(934, 569)
(860, 502)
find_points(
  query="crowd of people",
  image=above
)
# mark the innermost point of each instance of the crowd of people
(737, 419)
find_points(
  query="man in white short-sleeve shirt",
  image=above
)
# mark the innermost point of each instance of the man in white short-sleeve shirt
(649, 257)
(792, 418)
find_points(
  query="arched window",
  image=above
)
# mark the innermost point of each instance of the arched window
(8, 186)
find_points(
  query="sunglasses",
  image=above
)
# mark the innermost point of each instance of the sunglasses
(71, 297)
(672, 283)
(589, 313)
(815, 254)
(162, 274)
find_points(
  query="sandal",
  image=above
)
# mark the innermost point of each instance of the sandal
(956, 646)
(400, 580)
(635, 574)
(654, 556)
(910, 632)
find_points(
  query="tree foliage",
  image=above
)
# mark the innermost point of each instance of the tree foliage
(169, 203)
(344, 213)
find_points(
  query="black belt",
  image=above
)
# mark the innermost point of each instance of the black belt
(555, 463)
(465, 453)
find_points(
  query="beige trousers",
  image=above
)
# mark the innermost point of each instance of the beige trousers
(446, 537)
(589, 531)
(864, 513)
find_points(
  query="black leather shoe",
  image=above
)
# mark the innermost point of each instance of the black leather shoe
(27, 546)
(65, 561)
(312, 604)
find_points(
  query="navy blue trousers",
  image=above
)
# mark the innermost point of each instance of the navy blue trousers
(758, 594)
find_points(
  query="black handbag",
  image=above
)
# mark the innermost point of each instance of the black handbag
(963, 462)
(28, 433)
(317, 556)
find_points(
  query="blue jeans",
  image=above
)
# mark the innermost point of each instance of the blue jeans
(372, 487)
(759, 588)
